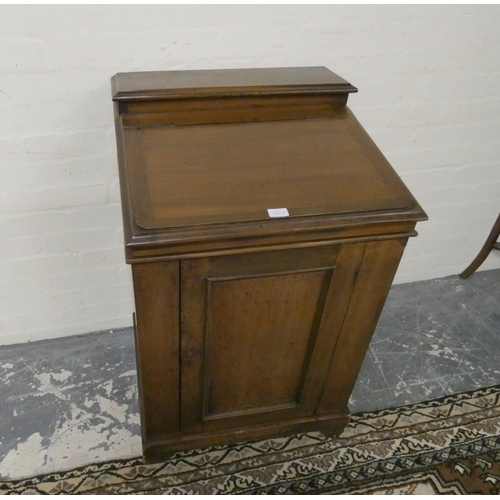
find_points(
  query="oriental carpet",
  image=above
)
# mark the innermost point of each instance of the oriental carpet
(449, 445)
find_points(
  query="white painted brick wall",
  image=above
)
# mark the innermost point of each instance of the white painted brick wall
(429, 94)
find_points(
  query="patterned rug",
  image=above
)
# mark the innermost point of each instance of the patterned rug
(450, 445)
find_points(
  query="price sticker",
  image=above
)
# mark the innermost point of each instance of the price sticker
(278, 212)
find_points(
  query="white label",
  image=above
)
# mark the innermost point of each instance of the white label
(278, 212)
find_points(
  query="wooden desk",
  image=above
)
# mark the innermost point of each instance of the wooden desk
(264, 229)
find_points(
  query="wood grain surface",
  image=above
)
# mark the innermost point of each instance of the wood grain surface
(249, 325)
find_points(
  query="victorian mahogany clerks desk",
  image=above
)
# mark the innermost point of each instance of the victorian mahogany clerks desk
(264, 229)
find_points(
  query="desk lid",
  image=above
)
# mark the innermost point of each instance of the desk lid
(247, 172)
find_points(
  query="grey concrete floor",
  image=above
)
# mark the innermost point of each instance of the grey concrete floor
(434, 338)
(73, 401)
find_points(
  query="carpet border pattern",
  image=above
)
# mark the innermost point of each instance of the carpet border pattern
(376, 449)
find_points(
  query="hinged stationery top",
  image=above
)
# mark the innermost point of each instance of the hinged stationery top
(211, 153)
(227, 82)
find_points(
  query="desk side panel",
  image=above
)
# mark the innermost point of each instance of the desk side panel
(371, 287)
(156, 288)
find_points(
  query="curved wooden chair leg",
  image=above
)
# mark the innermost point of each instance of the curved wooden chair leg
(485, 251)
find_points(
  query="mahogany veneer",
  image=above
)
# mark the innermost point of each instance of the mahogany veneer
(250, 325)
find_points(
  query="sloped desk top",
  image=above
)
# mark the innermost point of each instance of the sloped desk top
(199, 158)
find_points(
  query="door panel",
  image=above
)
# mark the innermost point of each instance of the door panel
(257, 340)
(256, 337)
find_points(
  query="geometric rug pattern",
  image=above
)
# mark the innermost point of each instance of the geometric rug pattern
(449, 445)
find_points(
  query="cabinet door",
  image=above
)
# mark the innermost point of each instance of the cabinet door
(258, 332)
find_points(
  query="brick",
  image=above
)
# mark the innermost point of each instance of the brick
(118, 293)
(19, 225)
(425, 159)
(24, 177)
(389, 140)
(40, 265)
(125, 275)
(493, 153)
(103, 216)
(435, 137)
(79, 241)
(89, 170)
(94, 279)
(20, 247)
(11, 151)
(46, 303)
(470, 210)
(54, 198)
(69, 145)
(102, 258)
(114, 192)
(422, 115)
(25, 286)
(87, 313)
(79, 87)
(477, 111)
(31, 118)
